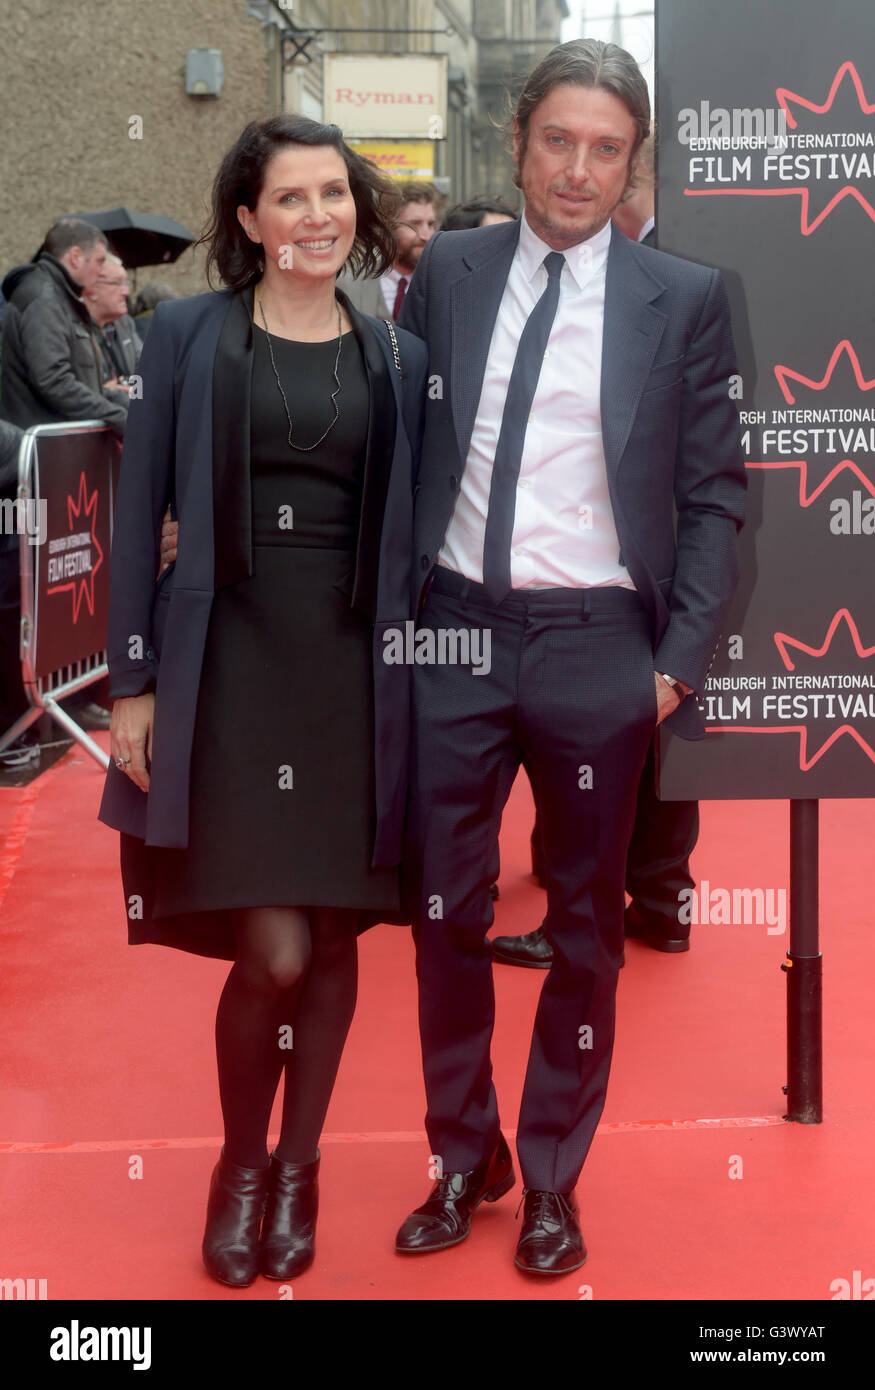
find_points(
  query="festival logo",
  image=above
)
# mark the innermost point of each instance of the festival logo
(805, 703)
(835, 440)
(794, 155)
(74, 559)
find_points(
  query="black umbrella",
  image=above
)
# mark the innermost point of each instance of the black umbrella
(140, 238)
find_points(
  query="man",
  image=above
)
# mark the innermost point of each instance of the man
(477, 212)
(51, 363)
(578, 413)
(665, 832)
(635, 213)
(416, 222)
(116, 333)
(13, 701)
(52, 367)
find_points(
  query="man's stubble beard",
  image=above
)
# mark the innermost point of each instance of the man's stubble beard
(559, 233)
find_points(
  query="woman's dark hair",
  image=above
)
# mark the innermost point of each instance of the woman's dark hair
(470, 214)
(240, 262)
(585, 63)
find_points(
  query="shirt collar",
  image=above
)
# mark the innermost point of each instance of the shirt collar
(647, 228)
(393, 275)
(582, 260)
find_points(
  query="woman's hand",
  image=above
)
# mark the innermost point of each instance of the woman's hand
(130, 736)
(169, 533)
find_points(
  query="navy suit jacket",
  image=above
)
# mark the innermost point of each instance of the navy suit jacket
(187, 444)
(671, 433)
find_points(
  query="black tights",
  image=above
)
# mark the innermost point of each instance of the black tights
(294, 980)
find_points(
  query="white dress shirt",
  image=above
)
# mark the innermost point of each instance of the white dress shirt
(389, 286)
(647, 228)
(563, 533)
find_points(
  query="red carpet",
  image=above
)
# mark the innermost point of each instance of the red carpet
(108, 1057)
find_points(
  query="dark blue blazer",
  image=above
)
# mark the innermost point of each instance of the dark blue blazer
(187, 444)
(671, 433)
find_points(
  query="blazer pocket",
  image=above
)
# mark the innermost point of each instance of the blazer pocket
(666, 374)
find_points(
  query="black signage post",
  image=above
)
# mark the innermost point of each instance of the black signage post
(803, 966)
(766, 170)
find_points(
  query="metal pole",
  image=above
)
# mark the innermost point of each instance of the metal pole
(804, 1087)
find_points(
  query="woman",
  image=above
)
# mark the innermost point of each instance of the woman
(259, 742)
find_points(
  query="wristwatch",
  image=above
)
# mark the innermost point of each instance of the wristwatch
(678, 685)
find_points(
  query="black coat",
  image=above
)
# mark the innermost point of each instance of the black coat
(52, 368)
(187, 443)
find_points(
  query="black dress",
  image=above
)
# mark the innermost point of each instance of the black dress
(282, 772)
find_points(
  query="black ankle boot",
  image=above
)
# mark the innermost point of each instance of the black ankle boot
(288, 1234)
(234, 1211)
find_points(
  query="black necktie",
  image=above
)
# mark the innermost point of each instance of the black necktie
(509, 449)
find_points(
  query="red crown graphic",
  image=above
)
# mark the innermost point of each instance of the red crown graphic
(82, 588)
(784, 375)
(783, 641)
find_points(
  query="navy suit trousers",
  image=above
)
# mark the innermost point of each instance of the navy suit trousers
(570, 694)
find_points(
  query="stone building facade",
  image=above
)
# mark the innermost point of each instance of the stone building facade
(73, 77)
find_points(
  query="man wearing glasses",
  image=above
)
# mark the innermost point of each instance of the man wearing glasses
(115, 331)
(417, 221)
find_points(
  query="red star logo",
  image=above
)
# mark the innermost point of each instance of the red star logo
(783, 641)
(83, 588)
(807, 224)
(784, 375)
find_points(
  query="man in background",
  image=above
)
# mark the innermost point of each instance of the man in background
(635, 214)
(52, 369)
(116, 333)
(477, 212)
(417, 221)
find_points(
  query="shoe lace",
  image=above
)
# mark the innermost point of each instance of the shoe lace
(542, 1204)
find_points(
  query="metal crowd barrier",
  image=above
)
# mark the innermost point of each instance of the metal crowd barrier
(45, 690)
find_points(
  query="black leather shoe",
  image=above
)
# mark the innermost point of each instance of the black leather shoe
(288, 1231)
(652, 932)
(234, 1210)
(532, 950)
(445, 1219)
(550, 1241)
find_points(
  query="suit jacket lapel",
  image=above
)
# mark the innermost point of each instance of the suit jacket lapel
(382, 424)
(232, 498)
(632, 332)
(475, 298)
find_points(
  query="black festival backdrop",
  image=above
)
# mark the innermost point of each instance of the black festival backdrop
(73, 475)
(766, 157)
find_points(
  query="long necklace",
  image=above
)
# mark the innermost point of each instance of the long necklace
(306, 448)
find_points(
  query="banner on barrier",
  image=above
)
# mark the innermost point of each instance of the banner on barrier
(72, 491)
(766, 170)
